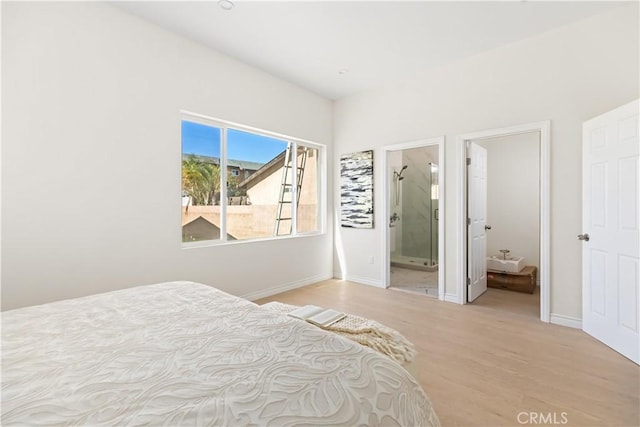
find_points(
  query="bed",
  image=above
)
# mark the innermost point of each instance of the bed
(183, 353)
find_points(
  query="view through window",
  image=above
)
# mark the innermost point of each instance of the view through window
(271, 185)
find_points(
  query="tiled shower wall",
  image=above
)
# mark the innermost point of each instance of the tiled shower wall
(416, 194)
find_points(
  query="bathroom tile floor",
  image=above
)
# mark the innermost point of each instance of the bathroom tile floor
(415, 281)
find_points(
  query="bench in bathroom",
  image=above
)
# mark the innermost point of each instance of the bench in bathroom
(522, 281)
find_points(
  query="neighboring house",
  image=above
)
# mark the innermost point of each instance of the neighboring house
(200, 229)
(235, 168)
(254, 215)
(264, 186)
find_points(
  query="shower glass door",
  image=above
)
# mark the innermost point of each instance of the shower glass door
(434, 214)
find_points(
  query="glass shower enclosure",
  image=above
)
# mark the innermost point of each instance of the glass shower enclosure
(414, 209)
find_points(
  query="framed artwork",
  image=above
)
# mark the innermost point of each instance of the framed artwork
(356, 189)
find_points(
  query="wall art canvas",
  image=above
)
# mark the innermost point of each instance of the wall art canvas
(356, 189)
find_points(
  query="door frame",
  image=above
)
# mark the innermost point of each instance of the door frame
(386, 183)
(544, 127)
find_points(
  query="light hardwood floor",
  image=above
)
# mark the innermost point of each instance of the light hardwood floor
(484, 363)
(416, 281)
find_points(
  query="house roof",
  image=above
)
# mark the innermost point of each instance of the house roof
(200, 218)
(241, 164)
(267, 169)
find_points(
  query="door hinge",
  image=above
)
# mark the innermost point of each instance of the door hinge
(468, 161)
(468, 281)
(468, 221)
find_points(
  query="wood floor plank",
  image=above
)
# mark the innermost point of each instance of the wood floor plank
(484, 363)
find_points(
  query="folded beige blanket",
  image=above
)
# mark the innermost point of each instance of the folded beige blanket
(366, 332)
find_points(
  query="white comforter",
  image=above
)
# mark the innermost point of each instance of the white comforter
(182, 353)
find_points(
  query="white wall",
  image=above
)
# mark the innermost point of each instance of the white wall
(91, 155)
(513, 195)
(567, 75)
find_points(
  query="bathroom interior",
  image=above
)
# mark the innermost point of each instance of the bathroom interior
(413, 220)
(513, 214)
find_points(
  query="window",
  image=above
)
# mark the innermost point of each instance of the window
(200, 181)
(308, 194)
(243, 184)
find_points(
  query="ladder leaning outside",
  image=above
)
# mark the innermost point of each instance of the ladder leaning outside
(286, 193)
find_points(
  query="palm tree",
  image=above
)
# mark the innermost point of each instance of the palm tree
(200, 180)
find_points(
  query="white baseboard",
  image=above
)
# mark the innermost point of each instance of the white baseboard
(451, 298)
(365, 281)
(252, 296)
(571, 322)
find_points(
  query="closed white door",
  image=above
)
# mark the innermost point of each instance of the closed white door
(477, 221)
(611, 244)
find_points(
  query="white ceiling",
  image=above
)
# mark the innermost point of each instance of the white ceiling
(309, 42)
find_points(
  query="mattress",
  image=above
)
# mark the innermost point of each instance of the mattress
(183, 353)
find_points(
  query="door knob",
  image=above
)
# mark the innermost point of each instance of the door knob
(584, 237)
(487, 227)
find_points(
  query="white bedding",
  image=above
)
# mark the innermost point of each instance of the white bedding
(182, 353)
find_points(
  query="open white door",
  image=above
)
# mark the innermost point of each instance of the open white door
(477, 222)
(610, 220)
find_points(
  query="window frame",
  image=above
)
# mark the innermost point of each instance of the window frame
(321, 184)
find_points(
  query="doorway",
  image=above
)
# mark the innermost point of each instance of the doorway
(511, 229)
(474, 250)
(414, 207)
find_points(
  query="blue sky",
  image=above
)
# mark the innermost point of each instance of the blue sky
(205, 140)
